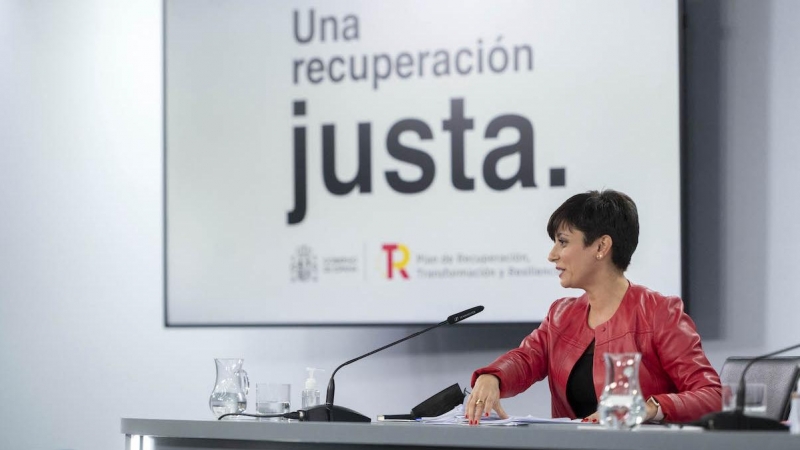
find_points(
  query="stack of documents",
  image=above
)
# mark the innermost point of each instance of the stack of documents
(456, 417)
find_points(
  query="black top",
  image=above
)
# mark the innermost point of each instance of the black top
(580, 385)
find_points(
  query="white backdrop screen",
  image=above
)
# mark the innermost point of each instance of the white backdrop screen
(379, 162)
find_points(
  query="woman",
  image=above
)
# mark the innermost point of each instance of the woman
(594, 236)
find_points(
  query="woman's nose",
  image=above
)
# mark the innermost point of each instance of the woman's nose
(552, 256)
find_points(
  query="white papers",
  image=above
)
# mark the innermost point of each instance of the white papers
(456, 417)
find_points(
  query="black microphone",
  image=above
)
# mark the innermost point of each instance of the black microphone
(736, 419)
(463, 315)
(334, 413)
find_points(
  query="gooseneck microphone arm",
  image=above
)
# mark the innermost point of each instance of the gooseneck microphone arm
(332, 384)
(455, 318)
(335, 413)
(740, 390)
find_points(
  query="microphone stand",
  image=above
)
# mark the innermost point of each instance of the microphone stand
(736, 419)
(335, 413)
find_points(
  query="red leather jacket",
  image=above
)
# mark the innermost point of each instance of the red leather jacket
(674, 369)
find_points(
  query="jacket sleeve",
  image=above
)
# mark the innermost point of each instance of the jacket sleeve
(519, 368)
(682, 357)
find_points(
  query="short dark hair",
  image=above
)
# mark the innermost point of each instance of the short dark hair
(599, 213)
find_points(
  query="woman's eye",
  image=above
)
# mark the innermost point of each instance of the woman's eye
(562, 242)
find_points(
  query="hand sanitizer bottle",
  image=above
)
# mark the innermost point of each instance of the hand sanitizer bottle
(310, 396)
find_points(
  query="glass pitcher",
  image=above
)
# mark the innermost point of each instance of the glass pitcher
(230, 389)
(621, 405)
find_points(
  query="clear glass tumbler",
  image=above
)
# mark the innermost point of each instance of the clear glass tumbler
(273, 398)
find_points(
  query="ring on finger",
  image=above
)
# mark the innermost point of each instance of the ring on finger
(478, 402)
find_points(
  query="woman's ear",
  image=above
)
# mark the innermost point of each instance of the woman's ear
(604, 244)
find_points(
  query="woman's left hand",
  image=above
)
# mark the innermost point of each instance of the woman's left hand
(650, 411)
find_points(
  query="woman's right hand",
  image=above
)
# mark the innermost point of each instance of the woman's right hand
(484, 398)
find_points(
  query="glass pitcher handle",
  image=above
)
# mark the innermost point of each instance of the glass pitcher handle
(245, 380)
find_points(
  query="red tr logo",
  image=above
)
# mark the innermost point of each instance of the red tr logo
(400, 265)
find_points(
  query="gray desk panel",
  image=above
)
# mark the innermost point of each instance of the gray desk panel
(188, 434)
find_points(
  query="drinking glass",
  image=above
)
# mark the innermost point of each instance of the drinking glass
(755, 398)
(273, 398)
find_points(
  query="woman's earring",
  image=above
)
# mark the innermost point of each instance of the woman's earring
(599, 256)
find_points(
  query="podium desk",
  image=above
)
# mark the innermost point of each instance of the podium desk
(150, 434)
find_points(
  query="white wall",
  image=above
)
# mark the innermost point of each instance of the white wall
(783, 247)
(81, 312)
(742, 142)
